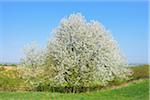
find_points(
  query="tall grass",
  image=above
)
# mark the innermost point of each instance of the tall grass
(140, 71)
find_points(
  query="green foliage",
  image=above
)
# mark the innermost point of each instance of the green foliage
(66, 89)
(13, 65)
(141, 71)
(116, 82)
(3, 64)
(135, 91)
(8, 65)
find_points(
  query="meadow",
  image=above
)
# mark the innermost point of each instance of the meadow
(136, 89)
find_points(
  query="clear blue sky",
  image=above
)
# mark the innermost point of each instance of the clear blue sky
(23, 22)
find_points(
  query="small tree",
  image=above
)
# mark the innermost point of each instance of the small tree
(32, 55)
(36, 67)
(85, 54)
(32, 64)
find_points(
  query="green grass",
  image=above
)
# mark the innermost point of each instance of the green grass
(138, 90)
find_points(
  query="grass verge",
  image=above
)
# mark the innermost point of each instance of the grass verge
(137, 90)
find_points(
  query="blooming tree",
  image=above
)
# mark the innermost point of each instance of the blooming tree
(84, 53)
(32, 64)
(81, 54)
(32, 55)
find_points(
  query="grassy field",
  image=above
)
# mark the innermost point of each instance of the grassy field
(140, 71)
(136, 90)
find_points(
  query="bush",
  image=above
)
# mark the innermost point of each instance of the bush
(15, 65)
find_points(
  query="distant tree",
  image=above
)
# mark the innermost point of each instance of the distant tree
(84, 53)
(32, 62)
(32, 56)
(35, 68)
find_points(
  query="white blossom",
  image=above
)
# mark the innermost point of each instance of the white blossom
(85, 52)
(81, 53)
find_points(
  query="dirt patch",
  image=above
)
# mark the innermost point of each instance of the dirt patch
(7, 68)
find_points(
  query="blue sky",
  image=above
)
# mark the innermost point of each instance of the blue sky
(24, 22)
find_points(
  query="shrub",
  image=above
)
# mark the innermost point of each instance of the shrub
(8, 65)
(15, 65)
